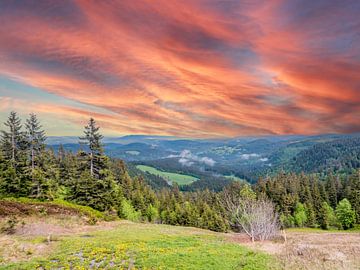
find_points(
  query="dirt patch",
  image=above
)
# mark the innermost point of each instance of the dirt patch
(311, 250)
(37, 237)
(26, 209)
(59, 225)
(238, 238)
(13, 249)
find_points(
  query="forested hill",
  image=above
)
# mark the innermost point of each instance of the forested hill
(246, 158)
(341, 155)
(90, 178)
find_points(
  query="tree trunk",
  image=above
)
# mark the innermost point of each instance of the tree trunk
(91, 164)
(38, 189)
(32, 159)
(13, 146)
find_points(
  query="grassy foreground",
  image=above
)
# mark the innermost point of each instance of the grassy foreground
(180, 179)
(146, 246)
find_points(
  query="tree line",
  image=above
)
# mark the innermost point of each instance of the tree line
(308, 200)
(29, 169)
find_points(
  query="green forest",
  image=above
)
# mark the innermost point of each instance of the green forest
(28, 168)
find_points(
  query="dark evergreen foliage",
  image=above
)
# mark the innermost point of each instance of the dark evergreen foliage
(90, 178)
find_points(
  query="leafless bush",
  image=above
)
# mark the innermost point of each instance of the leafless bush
(256, 217)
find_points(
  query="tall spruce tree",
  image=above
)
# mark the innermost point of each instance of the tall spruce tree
(95, 186)
(38, 160)
(13, 141)
(15, 180)
(332, 190)
(36, 139)
(354, 193)
(92, 140)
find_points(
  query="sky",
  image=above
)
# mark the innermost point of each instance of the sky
(189, 68)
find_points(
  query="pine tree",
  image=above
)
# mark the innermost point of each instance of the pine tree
(35, 137)
(36, 145)
(317, 200)
(354, 193)
(13, 141)
(3, 167)
(310, 216)
(332, 190)
(95, 185)
(48, 168)
(92, 140)
(15, 180)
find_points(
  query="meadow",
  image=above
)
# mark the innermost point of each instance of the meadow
(61, 235)
(129, 245)
(180, 179)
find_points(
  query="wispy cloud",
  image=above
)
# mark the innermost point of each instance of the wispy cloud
(186, 158)
(191, 68)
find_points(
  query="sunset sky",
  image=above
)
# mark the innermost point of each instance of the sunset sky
(200, 68)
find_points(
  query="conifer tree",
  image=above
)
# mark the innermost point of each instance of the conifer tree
(310, 216)
(95, 185)
(354, 193)
(92, 139)
(332, 190)
(35, 137)
(15, 180)
(13, 141)
(41, 163)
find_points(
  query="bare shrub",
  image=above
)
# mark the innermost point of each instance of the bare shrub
(256, 217)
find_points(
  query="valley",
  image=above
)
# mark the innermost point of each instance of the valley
(243, 158)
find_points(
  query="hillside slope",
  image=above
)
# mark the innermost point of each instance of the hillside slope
(126, 245)
(340, 155)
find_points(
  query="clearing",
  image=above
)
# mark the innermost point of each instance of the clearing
(180, 179)
(122, 245)
(58, 235)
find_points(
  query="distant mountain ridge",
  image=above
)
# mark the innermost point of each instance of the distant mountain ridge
(53, 140)
(244, 157)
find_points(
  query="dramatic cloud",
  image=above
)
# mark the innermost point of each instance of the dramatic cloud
(188, 159)
(204, 68)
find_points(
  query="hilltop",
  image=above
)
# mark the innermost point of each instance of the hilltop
(56, 235)
(64, 239)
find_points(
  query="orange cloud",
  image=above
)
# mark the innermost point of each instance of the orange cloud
(191, 68)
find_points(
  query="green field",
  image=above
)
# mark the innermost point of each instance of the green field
(145, 246)
(180, 179)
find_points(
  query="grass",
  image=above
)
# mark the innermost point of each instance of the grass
(356, 229)
(85, 210)
(180, 179)
(148, 246)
